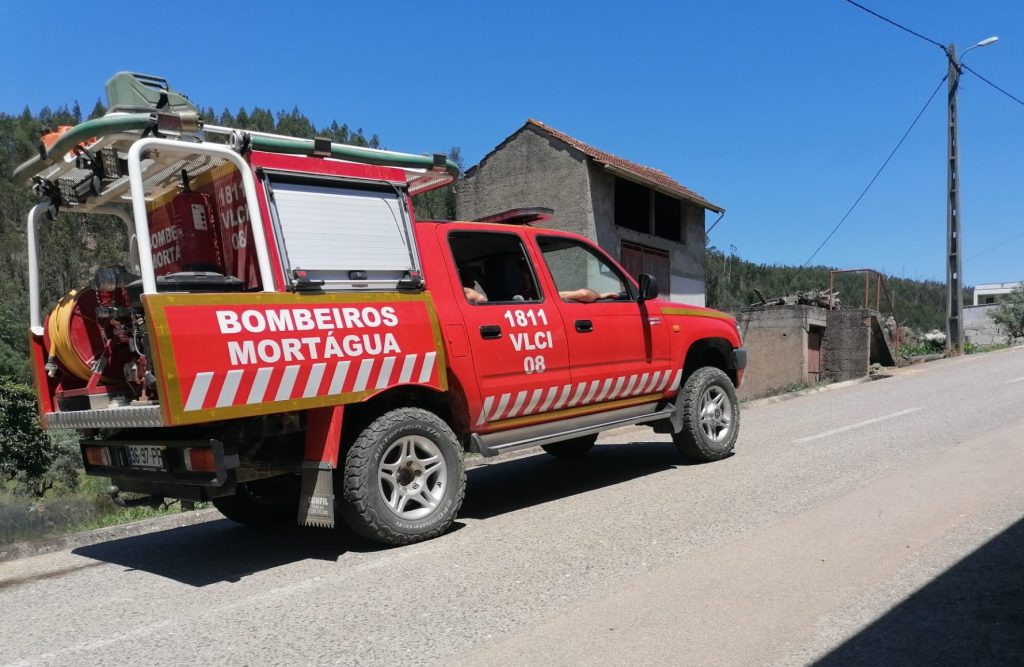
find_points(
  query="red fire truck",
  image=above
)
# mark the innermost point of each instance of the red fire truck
(285, 339)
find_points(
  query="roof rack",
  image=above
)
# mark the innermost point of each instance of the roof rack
(85, 166)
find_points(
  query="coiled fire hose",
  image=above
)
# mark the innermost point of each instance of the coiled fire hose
(61, 349)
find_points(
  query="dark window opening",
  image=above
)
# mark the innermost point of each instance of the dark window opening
(493, 267)
(632, 206)
(668, 218)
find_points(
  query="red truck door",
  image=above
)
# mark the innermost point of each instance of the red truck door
(618, 348)
(516, 336)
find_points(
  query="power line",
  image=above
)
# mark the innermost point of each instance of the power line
(877, 173)
(983, 252)
(894, 23)
(936, 43)
(1012, 97)
(995, 247)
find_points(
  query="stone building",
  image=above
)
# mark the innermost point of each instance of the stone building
(640, 216)
(796, 345)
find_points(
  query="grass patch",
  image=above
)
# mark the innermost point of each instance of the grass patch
(89, 507)
(971, 348)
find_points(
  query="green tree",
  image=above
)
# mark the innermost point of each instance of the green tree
(1010, 314)
(439, 204)
(27, 455)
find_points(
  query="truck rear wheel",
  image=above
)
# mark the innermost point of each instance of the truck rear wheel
(404, 478)
(711, 416)
(572, 449)
(264, 502)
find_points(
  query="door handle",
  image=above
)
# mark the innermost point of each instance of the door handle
(490, 331)
(584, 326)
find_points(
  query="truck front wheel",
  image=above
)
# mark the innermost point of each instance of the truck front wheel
(263, 502)
(711, 416)
(404, 478)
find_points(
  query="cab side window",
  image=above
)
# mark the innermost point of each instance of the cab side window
(493, 267)
(580, 274)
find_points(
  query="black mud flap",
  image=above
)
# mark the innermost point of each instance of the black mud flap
(316, 504)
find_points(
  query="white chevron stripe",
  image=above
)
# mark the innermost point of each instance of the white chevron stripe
(230, 388)
(547, 400)
(591, 391)
(384, 377)
(533, 401)
(563, 398)
(517, 406)
(284, 390)
(197, 394)
(488, 402)
(259, 385)
(650, 385)
(629, 387)
(618, 388)
(363, 375)
(338, 379)
(676, 379)
(316, 375)
(578, 395)
(665, 380)
(502, 404)
(428, 367)
(643, 383)
(604, 390)
(407, 366)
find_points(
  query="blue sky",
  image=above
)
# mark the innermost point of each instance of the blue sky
(778, 111)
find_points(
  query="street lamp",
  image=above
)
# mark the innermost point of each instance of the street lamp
(954, 264)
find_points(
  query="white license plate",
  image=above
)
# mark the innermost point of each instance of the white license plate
(145, 456)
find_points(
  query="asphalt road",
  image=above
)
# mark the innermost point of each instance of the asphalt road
(878, 524)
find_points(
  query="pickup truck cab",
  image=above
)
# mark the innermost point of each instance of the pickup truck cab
(285, 339)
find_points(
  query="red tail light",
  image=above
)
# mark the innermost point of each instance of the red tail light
(200, 459)
(97, 456)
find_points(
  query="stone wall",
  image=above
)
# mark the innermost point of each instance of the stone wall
(979, 328)
(776, 342)
(846, 348)
(530, 169)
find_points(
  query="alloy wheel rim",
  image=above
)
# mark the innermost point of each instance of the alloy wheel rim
(412, 477)
(715, 413)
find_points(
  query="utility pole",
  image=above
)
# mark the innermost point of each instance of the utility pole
(954, 261)
(954, 264)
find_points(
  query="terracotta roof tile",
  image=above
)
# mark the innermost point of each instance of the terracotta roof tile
(647, 174)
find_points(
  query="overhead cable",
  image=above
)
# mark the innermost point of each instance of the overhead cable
(1012, 97)
(894, 23)
(877, 173)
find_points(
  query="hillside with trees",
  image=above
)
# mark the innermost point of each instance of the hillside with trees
(733, 282)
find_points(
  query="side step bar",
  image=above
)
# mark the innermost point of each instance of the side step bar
(492, 444)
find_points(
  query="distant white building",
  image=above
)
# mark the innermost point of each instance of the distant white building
(991, 292)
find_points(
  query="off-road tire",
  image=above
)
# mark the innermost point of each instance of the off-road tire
(264, 502)
(571, 449)
(356, 487)
(692, 442)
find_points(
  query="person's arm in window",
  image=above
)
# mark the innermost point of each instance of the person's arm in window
(473, 296)
(586, 295)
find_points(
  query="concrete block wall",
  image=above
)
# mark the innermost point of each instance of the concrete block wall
(776, 343)
(846, 347)
(979, 327)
